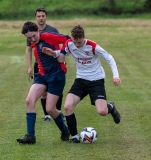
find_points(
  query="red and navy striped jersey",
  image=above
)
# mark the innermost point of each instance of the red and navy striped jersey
(48, 64)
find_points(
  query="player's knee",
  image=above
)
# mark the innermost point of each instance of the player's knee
(28, 101)
(44, 96)
(68, 108)
(102, 112)
(49, 111)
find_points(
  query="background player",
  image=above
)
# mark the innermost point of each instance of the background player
(41, 17)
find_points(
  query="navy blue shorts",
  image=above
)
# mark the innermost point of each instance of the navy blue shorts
(95, 89)
(54, 83)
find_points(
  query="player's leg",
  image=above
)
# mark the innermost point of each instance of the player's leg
(98, 97)
(70, 103)
(34, 94)
(103, 108)
(58, 106)
(43, 97)
(43, 104)
(76, 93)
(61, 59)
(54, 92)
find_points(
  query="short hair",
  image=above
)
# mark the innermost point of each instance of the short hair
(77, 32)
(40, 9)
(29, 26)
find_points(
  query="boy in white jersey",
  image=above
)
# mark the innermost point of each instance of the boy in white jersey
(89, 78)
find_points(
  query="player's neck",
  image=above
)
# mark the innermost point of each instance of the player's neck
(41, 27)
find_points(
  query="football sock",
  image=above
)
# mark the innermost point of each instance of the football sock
(47, 116)
(76, 136)
(110, 107)
(60, 123)
(59, 103)
(72, 124)
(43, 103)
(31, 119)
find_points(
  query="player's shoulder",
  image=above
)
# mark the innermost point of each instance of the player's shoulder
(69, 42)
(90, 42)
(44, 35)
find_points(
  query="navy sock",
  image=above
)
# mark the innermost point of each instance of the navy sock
(60, 123)
(31, 119)
(72, 124)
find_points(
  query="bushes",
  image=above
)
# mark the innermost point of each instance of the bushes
(25, 9)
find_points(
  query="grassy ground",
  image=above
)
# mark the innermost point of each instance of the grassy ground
(129, 42)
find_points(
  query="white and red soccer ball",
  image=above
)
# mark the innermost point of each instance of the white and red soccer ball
(88, 135)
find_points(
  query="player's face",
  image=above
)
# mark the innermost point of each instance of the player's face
(78, 42)
(41, 18)
(33, 36)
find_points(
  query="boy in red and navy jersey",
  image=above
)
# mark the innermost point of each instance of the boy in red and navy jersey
(50, 78)
(48, 64)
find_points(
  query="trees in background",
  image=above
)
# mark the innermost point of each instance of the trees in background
(19, 9)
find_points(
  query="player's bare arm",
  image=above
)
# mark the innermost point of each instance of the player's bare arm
(29, 60)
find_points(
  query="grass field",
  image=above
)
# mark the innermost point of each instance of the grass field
(129, 42)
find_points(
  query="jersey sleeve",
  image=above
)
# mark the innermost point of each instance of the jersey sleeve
(65, 48)
(54, 39)
(109, 58)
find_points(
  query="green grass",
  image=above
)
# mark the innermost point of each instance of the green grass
(129, 43)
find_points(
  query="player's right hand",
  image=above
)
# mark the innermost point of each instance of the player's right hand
(116, 81)
(48, 51)
(30, 71)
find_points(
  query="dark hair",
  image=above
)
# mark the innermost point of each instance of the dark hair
(77, 32)
(29, 26)
(40, 9)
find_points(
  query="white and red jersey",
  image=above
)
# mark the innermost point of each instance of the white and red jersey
(87, 60)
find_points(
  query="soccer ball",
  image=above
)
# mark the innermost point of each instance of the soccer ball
(88, 135)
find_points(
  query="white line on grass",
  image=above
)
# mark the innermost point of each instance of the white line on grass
(15, 59)
(18, 59)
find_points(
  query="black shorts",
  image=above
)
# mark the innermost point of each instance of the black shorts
(35, 67)
(95, 89)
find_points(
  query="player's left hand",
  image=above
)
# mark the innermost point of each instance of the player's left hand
(116, 81)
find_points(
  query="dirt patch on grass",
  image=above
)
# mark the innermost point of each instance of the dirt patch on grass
(84, 22)
(101, 22)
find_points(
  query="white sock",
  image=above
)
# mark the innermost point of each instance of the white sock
(76, 136)
(47, 116)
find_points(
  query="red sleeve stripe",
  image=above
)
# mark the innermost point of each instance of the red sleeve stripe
(93, 44)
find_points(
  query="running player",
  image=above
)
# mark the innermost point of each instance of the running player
(90, 78)
(50, 78)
